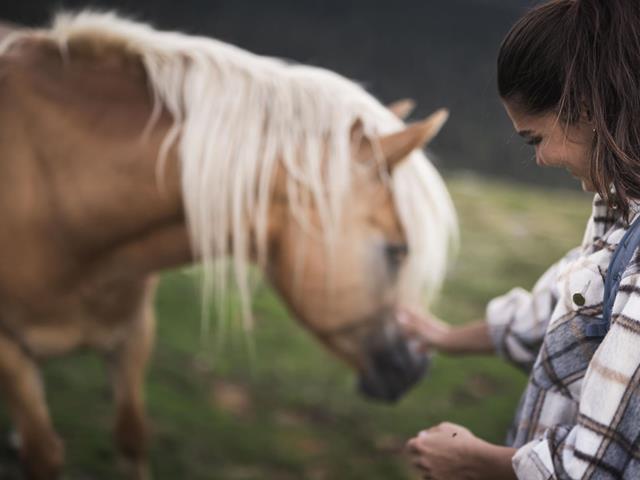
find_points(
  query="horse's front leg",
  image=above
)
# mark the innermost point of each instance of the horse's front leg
(41, 450)
(127, 365)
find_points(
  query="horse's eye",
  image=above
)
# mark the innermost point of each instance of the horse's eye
(396, 253)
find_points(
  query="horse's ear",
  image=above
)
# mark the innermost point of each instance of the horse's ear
(361, 145)
(402, 108)
(397, 146)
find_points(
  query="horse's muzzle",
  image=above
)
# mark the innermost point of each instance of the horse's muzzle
(394, 367)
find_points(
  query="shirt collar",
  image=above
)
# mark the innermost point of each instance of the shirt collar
(601, 211)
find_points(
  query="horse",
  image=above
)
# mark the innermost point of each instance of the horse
(125, 151)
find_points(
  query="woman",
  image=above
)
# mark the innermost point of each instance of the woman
(569, 77)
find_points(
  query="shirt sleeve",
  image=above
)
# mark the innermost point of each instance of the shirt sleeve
(605, 440)
(518, 320)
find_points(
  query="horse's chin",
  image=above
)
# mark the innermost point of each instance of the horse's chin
(392, 372)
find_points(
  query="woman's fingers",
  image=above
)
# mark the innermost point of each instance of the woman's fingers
(418, 455)
(421, 466)
(408, 321)
(412, 446)
(429, 331)
(414, 326)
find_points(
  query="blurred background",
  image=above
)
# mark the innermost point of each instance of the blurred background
(289, 410)
(440, 53)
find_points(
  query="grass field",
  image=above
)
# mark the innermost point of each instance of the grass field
(289, 410)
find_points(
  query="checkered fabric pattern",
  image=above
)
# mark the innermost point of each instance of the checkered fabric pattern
(579, 417)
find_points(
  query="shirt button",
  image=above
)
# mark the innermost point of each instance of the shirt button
(578, 299)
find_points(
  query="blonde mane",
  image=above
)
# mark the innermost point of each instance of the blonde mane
(237, 115)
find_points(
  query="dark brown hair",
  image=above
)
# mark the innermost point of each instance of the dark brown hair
(582, 58)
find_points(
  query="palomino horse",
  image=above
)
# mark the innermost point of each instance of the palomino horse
(125, 151)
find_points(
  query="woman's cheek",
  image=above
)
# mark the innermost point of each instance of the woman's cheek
(552, 157)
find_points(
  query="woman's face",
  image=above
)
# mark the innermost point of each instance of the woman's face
(555, 143)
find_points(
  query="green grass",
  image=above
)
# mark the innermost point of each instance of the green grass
(280, 407)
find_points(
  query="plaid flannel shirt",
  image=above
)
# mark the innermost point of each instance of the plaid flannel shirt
(579, 417)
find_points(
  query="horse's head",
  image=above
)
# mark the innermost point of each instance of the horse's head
(346, 290)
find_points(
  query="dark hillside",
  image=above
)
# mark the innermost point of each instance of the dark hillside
(441, 53)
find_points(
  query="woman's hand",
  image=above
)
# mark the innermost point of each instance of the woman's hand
(444, 452)
(429, 331)
(449, 451)
(432, 333)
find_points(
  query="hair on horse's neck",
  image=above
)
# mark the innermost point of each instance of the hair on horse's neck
(237, 117)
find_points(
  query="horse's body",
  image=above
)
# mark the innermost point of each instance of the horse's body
(81, 234)
(86, 223)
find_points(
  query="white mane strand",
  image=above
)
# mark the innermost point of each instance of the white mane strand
(230, 144)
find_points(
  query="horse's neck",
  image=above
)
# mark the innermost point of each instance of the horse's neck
(98, 172)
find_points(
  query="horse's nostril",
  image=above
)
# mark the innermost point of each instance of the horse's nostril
(392, 371)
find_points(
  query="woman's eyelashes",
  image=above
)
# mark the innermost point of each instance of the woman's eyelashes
(533, 141)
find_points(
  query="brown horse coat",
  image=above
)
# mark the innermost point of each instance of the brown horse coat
(76, 268)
